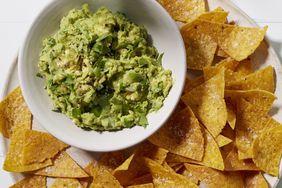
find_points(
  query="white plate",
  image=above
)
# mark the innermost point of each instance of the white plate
(264, 56)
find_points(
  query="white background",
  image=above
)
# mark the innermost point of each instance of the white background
(17, 15)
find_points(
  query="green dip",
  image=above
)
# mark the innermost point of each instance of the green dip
(102, 72)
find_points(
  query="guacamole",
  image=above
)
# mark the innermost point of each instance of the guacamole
(102, 72)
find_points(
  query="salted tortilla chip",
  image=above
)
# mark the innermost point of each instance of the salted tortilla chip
(112, 160)
(259, 98)
(222, 140)
(255, 180)
(43, 144)
(231, 115)
(66, 183)
(218, 15)
(147, 185)
(233, 163)
(200, 47)
(191, 84)
(181, 135)
(130, 169)
(190, 176)
(251, 121)
(151, 151)
(214, 178)
(64, 167)
(240, 42)
(208, 104)
(31, 182)
(267, 150)
(165, 178)
(102, 177)
(14, 113)
(212, 157)
(13, 160)
(184, 11)
(262, 79)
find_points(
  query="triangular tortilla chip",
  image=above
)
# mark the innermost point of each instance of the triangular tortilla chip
(251, 121)
(64, 167)
(112, 160)
(217, 15)
(255, 180)
(13, 160)
(208, 104)
(147, 185)
(43, 144)
(200, 48)
(102, 177)
(214, 178)
(181, 135)
(31, 182)
(222, 140)
(262, 79)
(259, 98)
(14, 113)
(233, 163)
(267, 150)
(66, 183)
(184, 11)
(164, 178)
(151, 151)
(191, 84)
(190, 176)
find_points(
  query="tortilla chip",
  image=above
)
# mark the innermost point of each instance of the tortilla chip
(222, 140)
(64, 167)
(208, 104)
(214, 178)
(181, 135)
(212, 157)
(151, 151)
(174, 158)
(112, 160)
(43, 144)
(231, 115)
(147, 185)
(31, 182)
(255, 180)
(251, 122)
(262, 79)
(200, 47)
(267, 150)
(233, 163)
(13, 160)
(164, 178)
(147, 178)
(184, 11)
(190, 176)
(191, 84)
(132, 168)
(66, 183)
(263, 100)
(218, 15)
(102, 177)
(14, 113)
(228, 64)
(240, 42)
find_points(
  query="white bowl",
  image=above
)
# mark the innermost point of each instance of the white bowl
(166, 38)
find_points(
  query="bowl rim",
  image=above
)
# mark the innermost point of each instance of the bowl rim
(72, 142)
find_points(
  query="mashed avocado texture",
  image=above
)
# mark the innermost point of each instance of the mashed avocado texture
(102, 72)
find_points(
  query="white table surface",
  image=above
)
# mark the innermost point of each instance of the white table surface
(17, 15)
